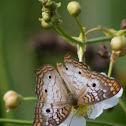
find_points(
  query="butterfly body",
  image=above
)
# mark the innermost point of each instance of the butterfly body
(75, 85)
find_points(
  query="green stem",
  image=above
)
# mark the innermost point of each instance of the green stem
(101, 123)
(57, 31)
(14, 121)
(29, 98)
(122, 105)
(106, 31)
(110, 68)
(24, 122)
(121, 32)
(99, 39)
(80, 52)
(109, 74)
(63, 36)
(90, 41)
(92, 30)
(72, 40)
(81, 48)
(81, 28)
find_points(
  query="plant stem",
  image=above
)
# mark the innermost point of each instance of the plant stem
(81, 28)
(25, 122)
(110, 68)
(90, 41)
(121, 32)
(120, 100)
(77, 42)
(106, 31)
(57, 31)
(99, 39)
(66, 37)
(29, 98)
(92, 30)
(122, 105)
(14, 121)
(101, 123)
(81, 48)
(80, 52)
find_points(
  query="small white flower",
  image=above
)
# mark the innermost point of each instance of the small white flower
(97, 109)
(76, 121)
(109, 103)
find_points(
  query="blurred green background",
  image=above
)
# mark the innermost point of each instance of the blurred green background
(25, 46)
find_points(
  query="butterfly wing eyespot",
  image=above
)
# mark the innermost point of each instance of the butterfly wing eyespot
(52, 107)
(94, 85)
(45, 90)
(48, 110)
(50, 77)
(66, 68)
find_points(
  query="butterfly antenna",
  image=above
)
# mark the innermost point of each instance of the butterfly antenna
(72, 117)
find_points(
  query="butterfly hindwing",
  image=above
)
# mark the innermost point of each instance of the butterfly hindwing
(53, 107)
(50, 114)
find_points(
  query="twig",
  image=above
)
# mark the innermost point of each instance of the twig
(14, 121)
(99, 39)
(25, 122)
(120, 100)
(81, 28)
(29, 98)
(102, 123)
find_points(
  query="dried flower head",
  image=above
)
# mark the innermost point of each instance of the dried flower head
(103, 51)
(123, 24)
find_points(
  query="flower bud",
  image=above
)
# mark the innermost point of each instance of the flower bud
(45, 24)
(49, 3)
(55, 19)
(123, 24)
(118, 43)
(43, 1)
(74, 8)
(45, 9)
(46, 16)
(12, 99)
(55, 5)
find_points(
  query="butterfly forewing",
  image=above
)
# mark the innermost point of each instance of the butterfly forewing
(75, 74)
(53, 107)
(87, 86)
